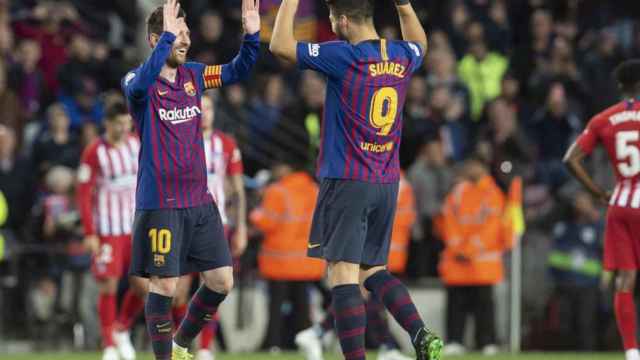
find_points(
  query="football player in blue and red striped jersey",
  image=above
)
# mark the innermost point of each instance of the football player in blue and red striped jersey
(358, 166)
(177, 227)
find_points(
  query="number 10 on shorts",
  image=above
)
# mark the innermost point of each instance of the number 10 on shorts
(160, 240)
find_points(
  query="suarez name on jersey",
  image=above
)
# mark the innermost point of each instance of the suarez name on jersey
(618, 130)
(366, 92)
(168, 119)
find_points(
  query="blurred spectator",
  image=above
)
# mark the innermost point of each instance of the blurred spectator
(12, 114)
(266, 112)
(511, 153)
(598, 67)
(51, 25)
(443, 72)
(209, 45)
(405, 219)
(16, 180)
(284, 216)
(26, 79)
(431, 177)
(481, 70)
(471, 264)
(57, 145)
(511, 92)
(575, 267)
(448, 120)
(302, 121)
(79, 84)
(555, 125)
(458, 18)
(414, 125)
(534, 54)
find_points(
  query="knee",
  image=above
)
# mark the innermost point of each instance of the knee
(626, 280)
(139, 286)
(343, 273)
(108, 286)
(166, 287)
(220, 282)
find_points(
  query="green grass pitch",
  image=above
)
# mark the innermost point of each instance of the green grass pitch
(294, 356)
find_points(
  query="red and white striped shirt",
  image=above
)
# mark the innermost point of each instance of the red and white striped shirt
(223, 159)
(107, 187)
(617, 129)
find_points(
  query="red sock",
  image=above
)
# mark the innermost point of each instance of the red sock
(625, 309)
(208, 333)
(107, 314)
(132, 306)
(178, 312)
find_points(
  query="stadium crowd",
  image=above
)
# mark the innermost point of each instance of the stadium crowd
(510, 82)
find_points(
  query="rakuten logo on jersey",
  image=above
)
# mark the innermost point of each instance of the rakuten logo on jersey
(178, 116)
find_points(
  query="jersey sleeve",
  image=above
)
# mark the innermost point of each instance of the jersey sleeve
(216, 76)
(589, 138)
(330, 58)
(415, 53)
(235, 159)
(135, 84)
(87, 176)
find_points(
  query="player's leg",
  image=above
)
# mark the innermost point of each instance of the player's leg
(107, 307)
(106, 268)
(208, 253)
(348, 307)
(158, 240)
(181, 299)
(381, 283)
(621, 253)
(132, 303)
(204, 303)
(625, 310)
(378, 327)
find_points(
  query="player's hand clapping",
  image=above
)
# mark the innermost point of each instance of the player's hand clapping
(251, 16)
(170, 13)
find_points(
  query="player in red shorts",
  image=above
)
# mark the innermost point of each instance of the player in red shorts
(106, 199)
(617, 129)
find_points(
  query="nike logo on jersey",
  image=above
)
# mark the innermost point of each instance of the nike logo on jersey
(163, 93)
(313, 246)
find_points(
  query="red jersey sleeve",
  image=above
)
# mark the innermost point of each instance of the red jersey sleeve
(235, 157)
(590, 137)
(87, 176)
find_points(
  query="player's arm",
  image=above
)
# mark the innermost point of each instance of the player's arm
(283, 42)
(410, 25)
(87, 176)
(573, 161)
(136, 84)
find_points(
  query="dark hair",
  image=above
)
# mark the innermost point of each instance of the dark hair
(116, 109)
(628, 75)
(358, 10)
(155, 21)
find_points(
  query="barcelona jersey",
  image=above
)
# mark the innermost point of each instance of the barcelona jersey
(172, 172)
(366, 92)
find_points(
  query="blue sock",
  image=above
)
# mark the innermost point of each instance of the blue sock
(202, 307)
(351, 320)
(157, 312)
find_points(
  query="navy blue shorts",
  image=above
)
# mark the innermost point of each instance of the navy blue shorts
(353, 221)
(176, 242)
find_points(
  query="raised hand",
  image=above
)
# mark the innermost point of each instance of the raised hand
(170, 12)
(251, 16)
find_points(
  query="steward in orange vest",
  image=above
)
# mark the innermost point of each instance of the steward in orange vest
(402, 225)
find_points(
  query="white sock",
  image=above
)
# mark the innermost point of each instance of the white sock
(632, 354)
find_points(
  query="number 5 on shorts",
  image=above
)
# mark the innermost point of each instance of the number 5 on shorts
(160, 240)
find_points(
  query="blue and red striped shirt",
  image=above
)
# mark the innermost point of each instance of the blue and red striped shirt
(366, 92)
(172, 168)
